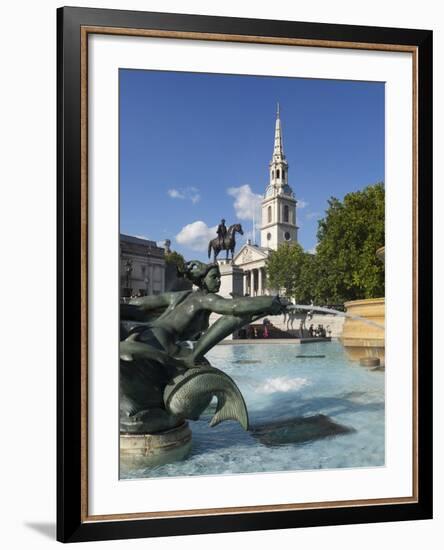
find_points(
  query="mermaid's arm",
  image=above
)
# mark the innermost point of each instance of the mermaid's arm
(152, 302)
(236, 313)
(240, 307)
(139, 308)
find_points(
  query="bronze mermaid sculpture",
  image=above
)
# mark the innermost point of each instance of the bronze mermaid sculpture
(164, 375)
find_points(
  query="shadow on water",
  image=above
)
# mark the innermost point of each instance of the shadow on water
(310, 420)
(295, 430)
(325, 405)
(246, 362)
(298, 430)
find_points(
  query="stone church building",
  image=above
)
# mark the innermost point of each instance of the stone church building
(278, 225)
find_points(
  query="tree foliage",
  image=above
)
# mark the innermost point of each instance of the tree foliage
(348, 237)
(345, 266)
(176, 259)
(290, 269)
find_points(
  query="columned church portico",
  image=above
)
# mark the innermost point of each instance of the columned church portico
(254, 281)
(251, 259)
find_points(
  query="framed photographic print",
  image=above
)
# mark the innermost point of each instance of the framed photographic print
(244, 285)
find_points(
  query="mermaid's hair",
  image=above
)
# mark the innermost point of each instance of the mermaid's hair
(196, 271)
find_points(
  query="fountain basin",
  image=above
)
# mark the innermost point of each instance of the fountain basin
(148, 450)
(297, 396)
(360, 339)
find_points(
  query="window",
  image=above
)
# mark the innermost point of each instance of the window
(278, 173)
(286, 213)
(268, 236)
(269, 214)
(287, 236)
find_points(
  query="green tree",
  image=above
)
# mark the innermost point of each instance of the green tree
(176, 259)
(346, 264)
(291, 269)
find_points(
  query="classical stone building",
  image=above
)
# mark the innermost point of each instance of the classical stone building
(142, 267)
(278, 223)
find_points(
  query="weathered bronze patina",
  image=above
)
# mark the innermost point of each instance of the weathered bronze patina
(164, 376)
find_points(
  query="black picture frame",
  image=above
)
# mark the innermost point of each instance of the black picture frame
(73, 523)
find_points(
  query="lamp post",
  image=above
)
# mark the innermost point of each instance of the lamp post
(128, 271)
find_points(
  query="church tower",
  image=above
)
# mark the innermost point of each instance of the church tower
(279, 205)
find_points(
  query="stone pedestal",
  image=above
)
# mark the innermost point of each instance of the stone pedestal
(231, 285)
(231, 279)
(147, 450)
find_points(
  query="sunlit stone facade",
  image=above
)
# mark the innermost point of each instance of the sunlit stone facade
(278, 223)
(142, 267)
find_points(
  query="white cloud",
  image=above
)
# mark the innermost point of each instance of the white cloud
(187, 193)
(175, 194)
(301, 203)
(196, 235)
(246, 203)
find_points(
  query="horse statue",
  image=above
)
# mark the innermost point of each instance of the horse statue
(228, 244)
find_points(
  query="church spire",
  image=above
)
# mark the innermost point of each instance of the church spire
(278, 163)
(278, 153)
(279, 204)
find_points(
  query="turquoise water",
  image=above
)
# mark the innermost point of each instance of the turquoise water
(285, 396)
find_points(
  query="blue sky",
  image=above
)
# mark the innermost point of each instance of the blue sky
(195, 147)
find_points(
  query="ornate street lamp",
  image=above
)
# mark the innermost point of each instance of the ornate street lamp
(128, 271)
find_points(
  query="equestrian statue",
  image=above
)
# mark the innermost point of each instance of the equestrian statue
(225, 239)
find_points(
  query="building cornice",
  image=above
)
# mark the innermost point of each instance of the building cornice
(274, 224)
(288, 198)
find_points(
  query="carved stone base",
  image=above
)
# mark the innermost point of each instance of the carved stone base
(147, 450)
(360, 339)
